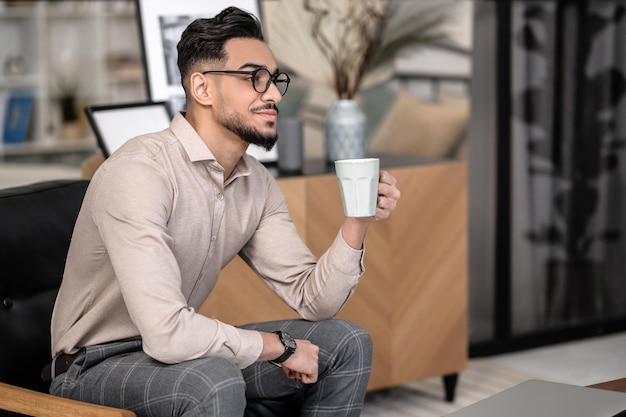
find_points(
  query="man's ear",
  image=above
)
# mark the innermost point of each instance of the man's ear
(201, 89)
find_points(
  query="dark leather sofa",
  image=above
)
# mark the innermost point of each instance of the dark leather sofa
(36, 224)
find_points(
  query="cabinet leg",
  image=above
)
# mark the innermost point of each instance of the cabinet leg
(449, 385)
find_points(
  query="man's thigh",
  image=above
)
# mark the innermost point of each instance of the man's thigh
(134, 381)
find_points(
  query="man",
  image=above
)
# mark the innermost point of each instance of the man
(160, 219)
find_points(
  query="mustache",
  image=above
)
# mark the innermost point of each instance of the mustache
(268, 106)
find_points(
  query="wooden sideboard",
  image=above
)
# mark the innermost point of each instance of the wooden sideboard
(413, 297)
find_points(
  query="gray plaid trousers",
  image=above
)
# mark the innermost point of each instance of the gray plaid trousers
(121, 375)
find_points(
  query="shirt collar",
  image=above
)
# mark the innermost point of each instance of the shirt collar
(198, 151)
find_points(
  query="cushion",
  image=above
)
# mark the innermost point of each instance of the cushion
(413, 126)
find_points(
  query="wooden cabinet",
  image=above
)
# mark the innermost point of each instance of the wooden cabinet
(413, 296)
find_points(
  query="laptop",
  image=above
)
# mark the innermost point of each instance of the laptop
(548, 399)
(115, 124)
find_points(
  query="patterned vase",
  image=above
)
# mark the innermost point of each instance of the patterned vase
(345, 129)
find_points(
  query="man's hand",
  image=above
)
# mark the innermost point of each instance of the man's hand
(303, 364)
(388, 196)
(354, 228)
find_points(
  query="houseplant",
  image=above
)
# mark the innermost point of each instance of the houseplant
(69, 109)
(67, 82)
(348, 44)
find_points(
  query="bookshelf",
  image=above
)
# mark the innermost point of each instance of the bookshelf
(89, 50)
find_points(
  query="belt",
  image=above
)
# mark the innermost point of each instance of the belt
(59, 365)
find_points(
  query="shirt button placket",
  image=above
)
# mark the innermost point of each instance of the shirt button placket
(220, 197)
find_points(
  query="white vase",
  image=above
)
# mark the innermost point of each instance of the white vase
(345, 131)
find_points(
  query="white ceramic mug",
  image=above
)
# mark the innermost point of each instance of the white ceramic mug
(358, 181)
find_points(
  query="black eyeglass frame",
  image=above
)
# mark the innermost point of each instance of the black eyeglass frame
(272, 78)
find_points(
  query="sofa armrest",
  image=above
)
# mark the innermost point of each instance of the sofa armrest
(38, 404)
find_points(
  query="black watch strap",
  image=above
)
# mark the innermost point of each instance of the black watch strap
(290, 347)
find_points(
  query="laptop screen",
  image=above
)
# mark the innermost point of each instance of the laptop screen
(115, 124)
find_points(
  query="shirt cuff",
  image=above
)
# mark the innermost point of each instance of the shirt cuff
(251, 348)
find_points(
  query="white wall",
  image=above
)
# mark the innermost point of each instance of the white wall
(438, 61)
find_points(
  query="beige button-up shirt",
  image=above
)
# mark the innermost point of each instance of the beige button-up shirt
(158, 223)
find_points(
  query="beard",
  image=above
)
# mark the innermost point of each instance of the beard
(234, 122)
(253, 136)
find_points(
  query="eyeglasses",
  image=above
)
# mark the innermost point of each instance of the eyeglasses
(261, 79)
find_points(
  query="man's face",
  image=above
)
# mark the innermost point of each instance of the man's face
(238, 106)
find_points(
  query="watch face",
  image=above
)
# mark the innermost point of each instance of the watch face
(290, 347)
(288, 341)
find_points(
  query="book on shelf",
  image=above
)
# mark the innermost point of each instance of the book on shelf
(17, 117)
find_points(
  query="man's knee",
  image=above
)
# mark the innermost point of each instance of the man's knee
(347, 339)
(345, 358)
(357, 339)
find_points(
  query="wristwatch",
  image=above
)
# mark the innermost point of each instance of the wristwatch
(290, 347)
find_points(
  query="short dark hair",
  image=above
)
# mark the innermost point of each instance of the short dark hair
(203, 40)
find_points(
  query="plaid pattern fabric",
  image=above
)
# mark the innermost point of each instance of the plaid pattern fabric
(121, 375)
(345, 359)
